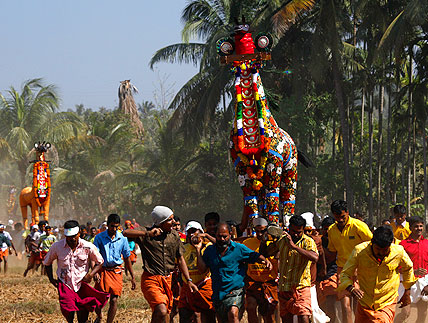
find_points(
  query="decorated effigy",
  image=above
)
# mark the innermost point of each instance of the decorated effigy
(38, 196)
(265, 156)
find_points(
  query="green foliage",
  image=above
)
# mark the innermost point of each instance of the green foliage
(336, 52)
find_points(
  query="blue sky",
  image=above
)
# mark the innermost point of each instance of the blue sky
(86, 47)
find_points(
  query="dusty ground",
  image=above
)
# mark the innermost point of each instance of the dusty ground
(34, 299)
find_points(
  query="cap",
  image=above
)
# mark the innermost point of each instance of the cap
(160, 214)
(259, 221)
(193, 225)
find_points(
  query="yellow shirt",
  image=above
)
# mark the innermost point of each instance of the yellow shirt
(378, 281)
(191, 258)
(259, 272)
(401, 232)
(354, 233)
(294, 269)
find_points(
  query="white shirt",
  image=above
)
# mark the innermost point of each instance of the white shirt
(4, 245)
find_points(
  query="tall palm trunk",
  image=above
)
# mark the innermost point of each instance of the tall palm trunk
(388, 156)
(410, 127)
(363, 102)
(425, 172)
(394, 176)
(379, 151)
(370, 164)
(335, 42)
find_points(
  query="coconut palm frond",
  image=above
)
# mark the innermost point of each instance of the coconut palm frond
(4, 149)
(397, 20)
(179, 53)
(20, 140)
(287, 14)
(103, 175)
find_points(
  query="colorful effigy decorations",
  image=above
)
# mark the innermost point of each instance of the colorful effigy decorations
(264, 155)
(37, 196)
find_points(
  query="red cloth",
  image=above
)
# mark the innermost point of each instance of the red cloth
(43, 254)
(86, 298)
(35, 257)
(417, 251)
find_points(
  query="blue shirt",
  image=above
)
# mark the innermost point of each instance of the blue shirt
(112, 250)
(228, 272)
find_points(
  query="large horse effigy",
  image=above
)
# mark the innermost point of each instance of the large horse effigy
(38, 196)
(264, 155)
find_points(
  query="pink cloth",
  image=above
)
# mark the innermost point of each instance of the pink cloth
(85, 298)
(72, 266)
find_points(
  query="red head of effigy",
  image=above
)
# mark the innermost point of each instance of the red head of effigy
(244, 43)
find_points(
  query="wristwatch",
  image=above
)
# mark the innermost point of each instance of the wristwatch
(190, 280)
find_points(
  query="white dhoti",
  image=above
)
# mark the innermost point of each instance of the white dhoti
(415, 290)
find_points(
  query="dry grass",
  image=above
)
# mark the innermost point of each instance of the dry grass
(34, 299)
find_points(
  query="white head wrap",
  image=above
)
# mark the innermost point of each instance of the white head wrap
(309, 217)
(71, 231)
(160, 214)
(193, 225)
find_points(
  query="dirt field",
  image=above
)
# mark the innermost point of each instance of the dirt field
(34, 299)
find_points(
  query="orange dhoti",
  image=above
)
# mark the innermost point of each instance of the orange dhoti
(4, 253)
(157, 290)
(133, 257)
(367, 315)
(265, 293)
(111, 280)
(296, 302)
(326, 288)
(198, 301)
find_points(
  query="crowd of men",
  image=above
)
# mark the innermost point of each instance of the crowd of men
(215, 273)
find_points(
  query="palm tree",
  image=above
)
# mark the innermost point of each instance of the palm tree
(29, 116)
(196, 102)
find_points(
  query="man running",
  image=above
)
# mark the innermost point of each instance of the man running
(416, 247)
(378, 264)
(343, 236)
(227, 261)
(113, 246)
(74, 256)
(194, 304)
(261, 284)
(296, 253)
(32, 242)
(5, 247)
(160, 248)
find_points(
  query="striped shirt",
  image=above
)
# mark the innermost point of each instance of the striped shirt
(294, 269)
